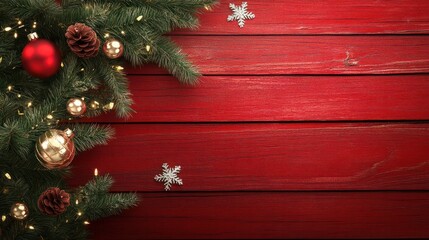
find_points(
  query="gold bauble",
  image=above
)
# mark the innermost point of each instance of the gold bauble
(19, 211)
(55, 148)
(113, 49)
(76, 107)
(94, 105)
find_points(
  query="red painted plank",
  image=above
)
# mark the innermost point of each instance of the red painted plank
(279, 98)
(230, 157)
(262, 55)
(272, 215)
(321, 17)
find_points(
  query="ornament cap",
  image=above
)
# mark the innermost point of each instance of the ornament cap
(69, 133)
(32, 36)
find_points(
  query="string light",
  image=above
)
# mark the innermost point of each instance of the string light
(79, 214)
(9, 88)
(106, 35)
(123, 33)
(119, 68)
(139, 18)
(31, 227)
(15, 35)
(3, 218)
(96, 172)
(148, 48)
(77, 201)
(9, 28)
(29, 104)
(7, 175)
(86, 222)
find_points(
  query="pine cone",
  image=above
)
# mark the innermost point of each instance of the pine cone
(53, 201)
(82, 40)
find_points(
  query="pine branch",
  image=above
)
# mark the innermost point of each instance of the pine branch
(169, 56)
(90, 135)
(99, 203)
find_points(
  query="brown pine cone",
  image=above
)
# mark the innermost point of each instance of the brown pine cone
(53, 201)
(82, 40)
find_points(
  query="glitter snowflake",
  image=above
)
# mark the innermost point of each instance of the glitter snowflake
(169, 176)
(240, 14)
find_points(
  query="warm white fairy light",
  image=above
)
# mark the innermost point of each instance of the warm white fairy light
(139, 18)
(7, 175)
(7, 29)
(31, 227)
(9, 88)
(77, 201)
(123, 32)
(49, 117)
(79, 214)
(119, 68)
(85, 222)
(106, 35)
(3, 218)
(30, 104)
(15, 35)
(148, 48)
(96, 172)
(19, 22)
(19, 95)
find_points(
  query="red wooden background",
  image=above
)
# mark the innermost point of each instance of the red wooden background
(310, 122)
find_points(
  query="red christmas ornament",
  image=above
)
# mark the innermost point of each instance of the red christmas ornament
(40, 57)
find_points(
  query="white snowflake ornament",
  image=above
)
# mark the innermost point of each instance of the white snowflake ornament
(240, 14)
(169, 176)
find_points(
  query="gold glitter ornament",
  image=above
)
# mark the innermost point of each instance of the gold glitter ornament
(19, 211)
(55, 149)
(113, 48)
(76, 107)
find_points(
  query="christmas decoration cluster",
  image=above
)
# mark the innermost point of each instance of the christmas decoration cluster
(42, 59)
(61, 61)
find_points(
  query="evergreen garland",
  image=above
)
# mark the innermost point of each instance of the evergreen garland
(30, 106)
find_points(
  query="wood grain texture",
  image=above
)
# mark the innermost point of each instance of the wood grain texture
(278, 98)
(297, 61)
(272, 215)
(273, 55)
(321, 17)
(265, 157)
